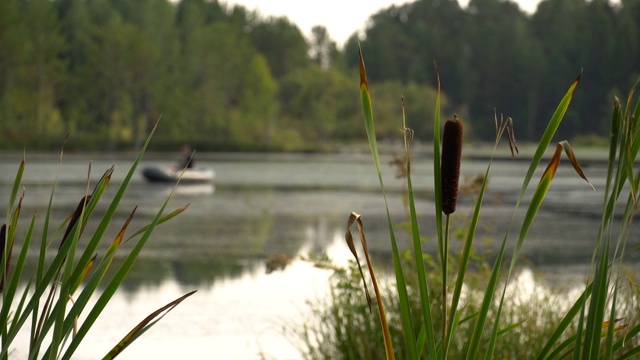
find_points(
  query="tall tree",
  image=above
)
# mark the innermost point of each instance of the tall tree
(558, 24)
(13, 51)
(281, 43)
(320, 104)
(504, 67)
(323, 50)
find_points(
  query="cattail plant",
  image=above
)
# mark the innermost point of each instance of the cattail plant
(449, 175)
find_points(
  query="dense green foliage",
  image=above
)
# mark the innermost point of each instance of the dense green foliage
(494, 55)
(223, 77)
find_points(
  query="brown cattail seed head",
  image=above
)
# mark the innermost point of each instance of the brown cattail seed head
(450, 164)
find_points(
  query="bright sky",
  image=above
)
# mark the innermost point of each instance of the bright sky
(341, 17)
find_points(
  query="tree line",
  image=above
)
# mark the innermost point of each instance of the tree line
(224, 77)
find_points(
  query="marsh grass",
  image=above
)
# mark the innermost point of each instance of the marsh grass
(593, 325)
(67, 276)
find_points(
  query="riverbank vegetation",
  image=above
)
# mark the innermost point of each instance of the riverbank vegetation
(47, 312)
(436, 309)
(226, 78)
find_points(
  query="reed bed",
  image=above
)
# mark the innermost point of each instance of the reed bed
(54, 307)
(440, 322)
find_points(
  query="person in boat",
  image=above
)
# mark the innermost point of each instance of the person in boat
(187, 158)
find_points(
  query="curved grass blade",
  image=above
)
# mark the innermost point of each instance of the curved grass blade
(356, 218)
(145, 325)
(75, 225)
(405, 309)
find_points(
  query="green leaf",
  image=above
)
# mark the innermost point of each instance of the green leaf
(405, 309)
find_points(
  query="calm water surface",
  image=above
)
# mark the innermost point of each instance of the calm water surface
(262, 205)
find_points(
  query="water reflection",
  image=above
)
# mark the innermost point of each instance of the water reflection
(238, 315)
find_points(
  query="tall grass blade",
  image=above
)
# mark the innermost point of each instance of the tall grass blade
(75, 225)
(43, 247)
(405, 309)
(427, 326)
(93, 282)
(78, 224)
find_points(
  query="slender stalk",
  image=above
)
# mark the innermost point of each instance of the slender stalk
(445, 259)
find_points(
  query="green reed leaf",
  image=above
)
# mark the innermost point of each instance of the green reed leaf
(405, 309)
(417, 251)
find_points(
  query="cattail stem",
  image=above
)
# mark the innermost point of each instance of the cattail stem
(445, 258)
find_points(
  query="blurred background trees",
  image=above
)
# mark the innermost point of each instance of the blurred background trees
(226, 78)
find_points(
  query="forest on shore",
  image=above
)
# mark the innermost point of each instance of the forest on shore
(224, 77)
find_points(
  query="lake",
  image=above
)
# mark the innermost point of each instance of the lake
(261, 205)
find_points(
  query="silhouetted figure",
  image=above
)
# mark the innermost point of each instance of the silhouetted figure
(187, 159)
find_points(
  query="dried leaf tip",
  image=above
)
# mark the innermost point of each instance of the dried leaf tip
(363, 72)
(450, 163)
